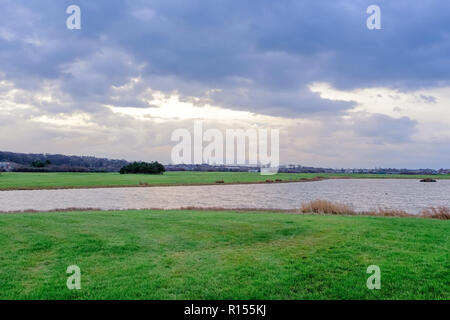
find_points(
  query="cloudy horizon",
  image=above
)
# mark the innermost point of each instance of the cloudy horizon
(340, 94)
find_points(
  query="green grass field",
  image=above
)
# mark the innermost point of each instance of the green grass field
(11, 181)
(221, 255)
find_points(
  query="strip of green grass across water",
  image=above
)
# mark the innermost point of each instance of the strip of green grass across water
(14, 181)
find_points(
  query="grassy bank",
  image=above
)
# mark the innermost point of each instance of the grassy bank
(221, 255)
(13, 181)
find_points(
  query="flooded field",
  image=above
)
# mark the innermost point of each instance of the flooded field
(362, 194)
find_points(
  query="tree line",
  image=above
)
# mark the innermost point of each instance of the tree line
(58, 162)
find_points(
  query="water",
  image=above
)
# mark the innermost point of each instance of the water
(363, 194)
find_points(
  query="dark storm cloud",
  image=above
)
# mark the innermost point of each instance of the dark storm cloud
(261, 54)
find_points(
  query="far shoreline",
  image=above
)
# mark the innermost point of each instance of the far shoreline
(148, 185)
(268, 180)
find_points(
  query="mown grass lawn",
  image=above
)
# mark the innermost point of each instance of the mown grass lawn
(221, 255)
(10, 181)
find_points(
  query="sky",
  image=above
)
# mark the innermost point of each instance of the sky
(340, 94)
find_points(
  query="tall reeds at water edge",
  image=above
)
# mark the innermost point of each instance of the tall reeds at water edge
(328, 207)
(437, 213)
(316, 206)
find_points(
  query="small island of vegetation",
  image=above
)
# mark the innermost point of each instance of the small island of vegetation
(428, 180)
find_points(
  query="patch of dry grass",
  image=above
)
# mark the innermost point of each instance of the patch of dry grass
(324, 206)
(442, 213)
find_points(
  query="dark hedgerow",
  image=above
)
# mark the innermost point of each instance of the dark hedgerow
(143, 167)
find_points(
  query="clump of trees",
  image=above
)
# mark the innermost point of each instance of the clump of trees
(143, 167)
(40, 164)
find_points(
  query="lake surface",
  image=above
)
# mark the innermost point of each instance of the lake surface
(363, 194)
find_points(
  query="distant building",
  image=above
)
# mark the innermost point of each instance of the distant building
(6, 166)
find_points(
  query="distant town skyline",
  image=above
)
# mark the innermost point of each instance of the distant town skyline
(342, 95)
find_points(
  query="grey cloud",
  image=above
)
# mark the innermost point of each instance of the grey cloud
(384, 129)
(280, 47)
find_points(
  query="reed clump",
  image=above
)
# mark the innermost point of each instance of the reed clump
(326, 207)
(442, 213)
